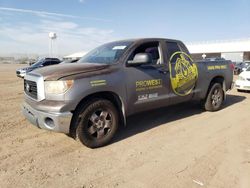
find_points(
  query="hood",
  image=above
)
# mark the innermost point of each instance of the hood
(245, 74)
(56, 72)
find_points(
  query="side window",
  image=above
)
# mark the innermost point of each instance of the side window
(172, 48)
(184, 48)
(46, 63)
(151, 48)
(54, 62)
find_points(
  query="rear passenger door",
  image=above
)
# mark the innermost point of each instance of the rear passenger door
(183, 72)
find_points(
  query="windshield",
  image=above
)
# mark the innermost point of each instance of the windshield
(248, 69)
(245, 65)
(107, 53)
(38, 63)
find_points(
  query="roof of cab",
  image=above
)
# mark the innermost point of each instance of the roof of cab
(139, 40)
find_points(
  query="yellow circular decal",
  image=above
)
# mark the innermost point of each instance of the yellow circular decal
(183, 73)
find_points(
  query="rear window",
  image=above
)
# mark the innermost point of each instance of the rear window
(172, 47)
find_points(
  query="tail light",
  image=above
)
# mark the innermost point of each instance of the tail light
(231, 65)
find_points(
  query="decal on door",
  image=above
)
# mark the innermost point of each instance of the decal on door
(98, 83)
(147, 96)
(217, 67)
(143, 85)
(183, 73)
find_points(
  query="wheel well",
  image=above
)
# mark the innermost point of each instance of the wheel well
(111, 96)
(220, 80)
(217, 79)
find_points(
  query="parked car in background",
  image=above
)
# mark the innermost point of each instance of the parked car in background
(243, 81)
(247, 63)
(239, 67)
(40, 63)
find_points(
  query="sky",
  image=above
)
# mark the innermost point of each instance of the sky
(84, 24)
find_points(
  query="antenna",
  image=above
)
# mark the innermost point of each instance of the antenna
(52, 37)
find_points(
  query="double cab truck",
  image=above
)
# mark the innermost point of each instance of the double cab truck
(90, 99)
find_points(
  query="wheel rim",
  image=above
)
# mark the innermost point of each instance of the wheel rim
(100, 123)
(216, 97)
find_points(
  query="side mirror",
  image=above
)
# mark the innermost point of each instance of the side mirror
(141, 58)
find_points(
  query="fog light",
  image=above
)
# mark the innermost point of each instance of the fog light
(49, 122)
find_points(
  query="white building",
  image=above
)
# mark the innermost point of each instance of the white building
(235, 50)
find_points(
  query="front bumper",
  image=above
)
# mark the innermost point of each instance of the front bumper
(58, 122)
(242, 85)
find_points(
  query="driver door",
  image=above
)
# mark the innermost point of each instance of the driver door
(147, 84)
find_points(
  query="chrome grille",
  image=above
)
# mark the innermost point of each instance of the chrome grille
(30, 88)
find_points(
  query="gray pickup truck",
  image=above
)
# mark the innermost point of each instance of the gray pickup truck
(90, 99)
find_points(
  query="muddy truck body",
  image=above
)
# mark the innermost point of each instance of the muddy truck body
(90, 99)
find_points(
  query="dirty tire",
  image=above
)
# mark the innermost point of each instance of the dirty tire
(214, 98)
(97, 123)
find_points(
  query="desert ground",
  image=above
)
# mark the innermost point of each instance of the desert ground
(179, 146)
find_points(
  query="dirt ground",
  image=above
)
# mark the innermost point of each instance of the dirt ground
(181, 146)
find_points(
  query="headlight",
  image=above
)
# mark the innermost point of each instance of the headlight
(57, 87)
(241, 78)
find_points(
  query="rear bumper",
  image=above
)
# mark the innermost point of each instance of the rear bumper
(58, 122)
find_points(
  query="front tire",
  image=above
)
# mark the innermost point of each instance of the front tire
(97, 123)
(214, 98)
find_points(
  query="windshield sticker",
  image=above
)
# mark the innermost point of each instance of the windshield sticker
(119, 47)
(148, 84)
(98, 83)
(183, 73)
(217, 67)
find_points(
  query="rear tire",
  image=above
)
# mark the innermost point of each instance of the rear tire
(214, 98)
(97, 123)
